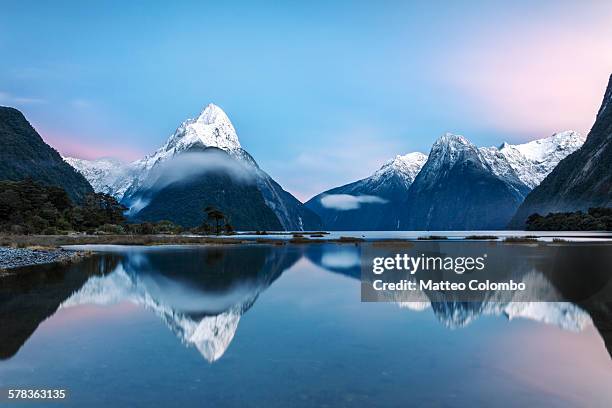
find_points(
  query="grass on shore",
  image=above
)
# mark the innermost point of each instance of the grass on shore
(55, 241)
(518, 240)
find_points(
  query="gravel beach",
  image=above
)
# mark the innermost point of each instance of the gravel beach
(18, 257)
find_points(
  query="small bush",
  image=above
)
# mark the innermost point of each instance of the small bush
(50, 231)
(433, 238)
(111, 229)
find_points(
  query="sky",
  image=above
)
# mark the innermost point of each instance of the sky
(321, 93)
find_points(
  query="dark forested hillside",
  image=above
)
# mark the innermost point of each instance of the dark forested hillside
(182, 203)
(23, 154)
(27, 207)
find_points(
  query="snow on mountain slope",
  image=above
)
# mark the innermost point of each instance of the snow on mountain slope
(105, 175)
(404, 167)
(454, 313)
(371, 200)
(534, 160)
(211, 334)
(457, 190)
(210, 129)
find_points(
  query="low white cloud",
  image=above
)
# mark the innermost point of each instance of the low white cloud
(197, 164)
(189, 166)
(344, 202)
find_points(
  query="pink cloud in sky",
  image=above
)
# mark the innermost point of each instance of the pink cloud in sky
(539, 79)
(74, 146)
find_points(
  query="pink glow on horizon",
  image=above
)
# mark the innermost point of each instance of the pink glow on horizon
(547, 347)
(536, 81)
(73, 146)
(71, 316)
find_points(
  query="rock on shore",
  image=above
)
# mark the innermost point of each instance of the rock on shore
(18, 257)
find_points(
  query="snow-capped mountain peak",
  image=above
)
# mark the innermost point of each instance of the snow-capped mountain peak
(541, 149)
(451, 148)
(212, 114)
(211, 128)
(407, 166)
(534, 160)
(451, 139)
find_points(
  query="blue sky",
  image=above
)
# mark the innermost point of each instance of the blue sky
(321, 93)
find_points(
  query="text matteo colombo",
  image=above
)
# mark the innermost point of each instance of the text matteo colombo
(459, 265)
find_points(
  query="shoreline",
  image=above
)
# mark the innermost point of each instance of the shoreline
(12, 259)
(17, 251)
(49, 242)
(57, 241)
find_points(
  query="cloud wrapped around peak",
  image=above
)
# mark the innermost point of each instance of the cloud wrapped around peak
(344, 202)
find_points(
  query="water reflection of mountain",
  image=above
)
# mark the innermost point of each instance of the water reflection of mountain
(33, 294)
(578, 276)
(200, 293)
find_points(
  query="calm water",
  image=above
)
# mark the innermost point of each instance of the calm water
(280, 326)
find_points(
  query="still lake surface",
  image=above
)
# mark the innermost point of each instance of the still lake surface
(278, 326)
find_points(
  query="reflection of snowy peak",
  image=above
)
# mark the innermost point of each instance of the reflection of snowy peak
(211, 334)
(534, 160)
(457, 313)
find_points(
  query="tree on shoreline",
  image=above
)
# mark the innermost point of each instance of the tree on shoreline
(596, 219)
(220, 220)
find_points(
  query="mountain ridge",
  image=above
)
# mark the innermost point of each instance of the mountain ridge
(519, 166)
(25, 154)
(457, 189)
(210, 129)
(374, 196)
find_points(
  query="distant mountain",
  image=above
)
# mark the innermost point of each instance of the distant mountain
(581, 180)
(102, 174)
(201, 164)
(457, 189)
(379, 201)
(24, 154)
(370, 203)
(534, 160)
